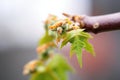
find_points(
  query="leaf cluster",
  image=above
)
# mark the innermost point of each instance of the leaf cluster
(76, 36)
(56, 69)
(79, 41)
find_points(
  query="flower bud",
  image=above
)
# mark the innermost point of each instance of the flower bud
(59, 30)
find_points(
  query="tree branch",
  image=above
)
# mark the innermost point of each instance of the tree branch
(97, 24)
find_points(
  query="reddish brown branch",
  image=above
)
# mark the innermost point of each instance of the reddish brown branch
(97, 24)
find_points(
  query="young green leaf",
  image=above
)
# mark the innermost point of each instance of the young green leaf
(76, 47)
(85, 34)
(60, 66)
(59, 61)
(70, 35)
(88, 47)
(67, 39)
(45, 39)
(55, 70)
(79, 57)
(44, 76)
(79, 40)
(60, 73)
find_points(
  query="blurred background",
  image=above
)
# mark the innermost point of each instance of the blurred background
(21, 26)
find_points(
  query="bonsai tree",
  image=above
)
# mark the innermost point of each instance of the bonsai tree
(73, 29)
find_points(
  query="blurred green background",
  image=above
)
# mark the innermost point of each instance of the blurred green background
(21, 25)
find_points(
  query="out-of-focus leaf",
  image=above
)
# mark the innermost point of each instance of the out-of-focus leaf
(57, 70)
(60, 62)
(61, 73)
(41, 69)
(44, 76)
(45, 39)
(60, 66)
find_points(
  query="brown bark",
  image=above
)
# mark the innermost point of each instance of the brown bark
(97, 24)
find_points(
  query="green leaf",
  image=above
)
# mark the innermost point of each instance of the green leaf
(60, 66)
(88, 47)
(85, 34)
(44, 76)
(79, 57)
(70, 35)
(60, 73)
(59, 61)
(79, 40)
(45, 39)
(76, 47)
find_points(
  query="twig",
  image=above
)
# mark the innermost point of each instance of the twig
(97, 24)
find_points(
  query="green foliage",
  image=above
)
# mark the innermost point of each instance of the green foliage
(59, 61)
(76, 47)
(48, 66)
(55, 70)
(89, 48)
(69, 36)
(43, 76)
(79, 40)
(45, 39)
(55, 67)
(60, 66)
